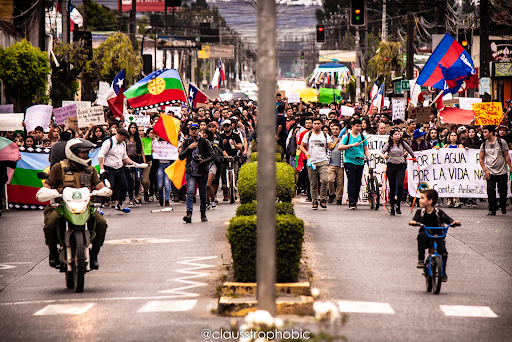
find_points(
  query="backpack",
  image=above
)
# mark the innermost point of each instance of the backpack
(500, 144)
(309, 136)
(111, 144)
(291, 148)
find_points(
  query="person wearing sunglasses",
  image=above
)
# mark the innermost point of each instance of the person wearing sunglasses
(198, 154)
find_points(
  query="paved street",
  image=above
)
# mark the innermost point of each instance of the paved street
(366, 260)
(156, 281)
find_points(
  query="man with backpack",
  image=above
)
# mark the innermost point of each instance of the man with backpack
(314, 146)
(493, 159)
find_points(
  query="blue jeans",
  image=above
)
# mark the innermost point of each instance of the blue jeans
(354, 176)
(162, 179)
(191, 189)
(133, 175)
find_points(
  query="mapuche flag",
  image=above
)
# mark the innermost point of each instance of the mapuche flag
(160, 88)
(447, 67)
(167, 128)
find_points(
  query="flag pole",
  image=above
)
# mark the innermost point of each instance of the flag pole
(437, 97)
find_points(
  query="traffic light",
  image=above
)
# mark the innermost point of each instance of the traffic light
(465, 39)
(295, 62)
(320, 33)
(357, 13)
(302, 55)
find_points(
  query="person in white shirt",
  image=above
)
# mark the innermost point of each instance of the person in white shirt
(314, 146)
(112, 157)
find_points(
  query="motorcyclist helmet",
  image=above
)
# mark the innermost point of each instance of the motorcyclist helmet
(76, 145)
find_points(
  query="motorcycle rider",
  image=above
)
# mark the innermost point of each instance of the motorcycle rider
(77, 172)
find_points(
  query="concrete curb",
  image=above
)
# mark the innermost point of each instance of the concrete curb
(297, 289)
(240, 307)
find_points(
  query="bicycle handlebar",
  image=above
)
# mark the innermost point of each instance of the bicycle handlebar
(417, 224)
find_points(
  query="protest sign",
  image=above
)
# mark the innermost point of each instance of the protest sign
(451, 172)
(72, 123)
(400, 127)
(62, 113)
(422, 114)
(451, 102)
(147, 145)
(488, 113)
(88, 115)
(164, 150)
(139, 120)
(465, 102)
(294, 98)
(11, 122)
(103, 90)
(398, 107)
(38, 115)
(175, 110)
(325, 111)
(347, 111)
(282, 92)
(8, 108)
(79, 104)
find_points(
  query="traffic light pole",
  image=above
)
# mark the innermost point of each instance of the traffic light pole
(484, 44)
(358, 65)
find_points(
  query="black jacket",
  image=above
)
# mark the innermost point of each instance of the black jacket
(205, 151)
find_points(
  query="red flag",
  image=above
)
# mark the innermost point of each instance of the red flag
(457, 116)
(116, 104)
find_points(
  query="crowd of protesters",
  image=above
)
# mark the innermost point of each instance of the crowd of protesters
(325, 148)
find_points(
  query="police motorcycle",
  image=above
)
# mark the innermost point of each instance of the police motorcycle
(75, 207)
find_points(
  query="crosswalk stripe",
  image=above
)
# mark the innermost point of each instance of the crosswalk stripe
(467, 311)
(365, 307)
(168, 305)
(65, 309)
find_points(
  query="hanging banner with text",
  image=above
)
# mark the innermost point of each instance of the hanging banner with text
(88, 115)
(62, 113)
(451, 172)
(164, 150)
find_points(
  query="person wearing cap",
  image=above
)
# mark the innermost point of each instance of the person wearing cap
(418, 142)
(230, 143)
(198, 154)
(111, 157)
(462, 131)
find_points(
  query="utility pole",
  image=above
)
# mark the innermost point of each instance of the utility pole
(409, 71)
(366, 51)
(358, 64)
(133, 25)
(84, 14)
(120, 16)
(484, 44)
(266, 193)
(384, 27)
(42, 26)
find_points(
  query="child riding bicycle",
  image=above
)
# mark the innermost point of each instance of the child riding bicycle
(430, 216)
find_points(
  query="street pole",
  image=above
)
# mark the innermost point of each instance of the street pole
(132, 21)
(120, 16)
(384, 28)
(484, 44)
(266, 193)
(358, 65)
(42, 26)
(410, 46)
(84, 10)
(65, 21)
(366, 51)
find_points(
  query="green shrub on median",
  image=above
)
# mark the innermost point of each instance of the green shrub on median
(249, 209)
(254, 157)
(289, 238)
(247, 182)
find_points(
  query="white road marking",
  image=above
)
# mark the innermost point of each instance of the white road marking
(138, 241)
(467, 311)
(65, 309)
(168, 306)
(9, 265)
(88, 299)
(193, 284)
(365, 307)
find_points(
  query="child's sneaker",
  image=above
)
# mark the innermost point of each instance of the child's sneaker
(123, 209)
(444, 278)
(421, 264)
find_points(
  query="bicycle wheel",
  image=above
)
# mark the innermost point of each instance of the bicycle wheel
(231, 188)
(436, 275)
(428, 278)
(78, 264)
(370, 191)
(376, 192)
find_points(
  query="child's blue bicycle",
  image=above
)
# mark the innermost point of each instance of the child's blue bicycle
(433, 271)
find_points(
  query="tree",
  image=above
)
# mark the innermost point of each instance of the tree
(113, 55)
(387, 60)
(24, 70)
(99, 18)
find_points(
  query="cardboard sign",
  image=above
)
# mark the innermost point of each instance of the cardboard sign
(325, 111)
(400, 127)
(450, 103)
(212, 93)
(79, 104)
(103, 90)
(147, 145)
(488, 113)
(294, 98)
(11, 122)
(90, 115)
(422, 114)
(282, 92)
(347, 111)
(465, 102)
(164, 150)
(72, 123)
(139, 120)
(175, 110)
(8, 108)
(62, 113)
(398, 108)
(38, 115)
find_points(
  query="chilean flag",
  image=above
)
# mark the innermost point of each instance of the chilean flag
(375, 89)
(115, 97)
(447, 67)
(378, 100)
(196, 96)
(218, 77)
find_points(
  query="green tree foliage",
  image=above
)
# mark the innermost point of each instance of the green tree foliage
(64, 77)
(387, 60)
(24, 70)
(113, 55)
(99, 18)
